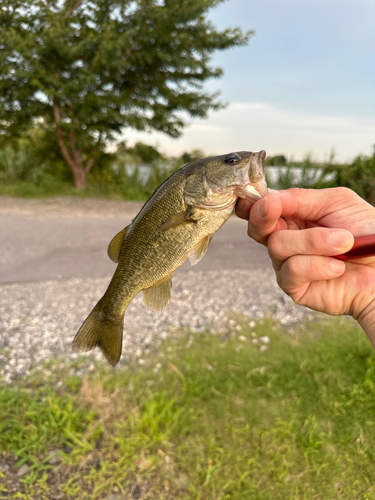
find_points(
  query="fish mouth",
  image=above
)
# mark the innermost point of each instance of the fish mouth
(254, 183)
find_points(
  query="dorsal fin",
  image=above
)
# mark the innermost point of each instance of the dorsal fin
(196, 253)
(115, 246)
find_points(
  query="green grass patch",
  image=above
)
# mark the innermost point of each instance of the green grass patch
(205, 417)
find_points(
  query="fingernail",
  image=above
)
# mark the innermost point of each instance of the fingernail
(263, 207)
(340, 239)
(337, 266)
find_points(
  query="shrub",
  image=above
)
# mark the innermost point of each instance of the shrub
(359, 176)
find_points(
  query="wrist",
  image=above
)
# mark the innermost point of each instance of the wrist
(366, 319)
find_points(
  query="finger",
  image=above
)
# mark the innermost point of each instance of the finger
(265, 218)
(315, 204)
(296, 273)
(242, 208)
(315, 241)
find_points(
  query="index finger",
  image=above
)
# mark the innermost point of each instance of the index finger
(315, 204)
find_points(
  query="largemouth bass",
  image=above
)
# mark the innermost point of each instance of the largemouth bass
(177, 222)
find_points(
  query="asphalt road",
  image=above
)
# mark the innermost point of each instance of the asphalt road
(68, 238)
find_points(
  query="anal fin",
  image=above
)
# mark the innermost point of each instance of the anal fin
(157, 297)
(197, 252)
(115, 246)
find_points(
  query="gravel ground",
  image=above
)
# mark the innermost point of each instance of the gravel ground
(39, 320)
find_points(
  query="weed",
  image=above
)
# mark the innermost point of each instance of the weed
(213, 421)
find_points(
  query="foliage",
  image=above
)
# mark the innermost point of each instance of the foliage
(32, 166)
(118, 175)
(359, 176)
(190, 156)
(276, 161)
(304, 174)
(144, 153)
(88, 69)
(203, 417)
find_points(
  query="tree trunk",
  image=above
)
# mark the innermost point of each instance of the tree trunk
(80, 178)
(73, 159)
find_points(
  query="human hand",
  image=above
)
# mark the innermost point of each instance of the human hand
(302, 228)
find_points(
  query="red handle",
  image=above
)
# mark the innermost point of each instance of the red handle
(364, 246)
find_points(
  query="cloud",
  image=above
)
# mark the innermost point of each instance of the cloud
(260, 125)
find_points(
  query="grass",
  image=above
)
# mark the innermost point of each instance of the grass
(121, 187)
(203, 418)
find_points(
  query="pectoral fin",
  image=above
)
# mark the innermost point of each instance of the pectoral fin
(185, 217)
(114, 248)
(196, 253)
(157, 297)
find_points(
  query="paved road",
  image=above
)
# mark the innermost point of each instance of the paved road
(60, 239)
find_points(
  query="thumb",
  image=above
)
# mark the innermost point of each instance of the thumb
(265, 218)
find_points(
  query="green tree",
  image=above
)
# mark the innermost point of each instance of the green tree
(190, 156)
(145, 153)
(90, 68)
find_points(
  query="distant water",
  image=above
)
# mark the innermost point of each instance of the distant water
(298, 174)
(272, 173)
(144, 171)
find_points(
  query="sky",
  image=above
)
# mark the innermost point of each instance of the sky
(305, 84)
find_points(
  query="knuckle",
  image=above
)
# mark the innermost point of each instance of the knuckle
(312, 241)
(276, 246)
(297, 191)
(345, 192)
(293, 267)
(254, 234)
(251, 232)
(283, 281)
(303, 191)
(279, 280)
(276, 266)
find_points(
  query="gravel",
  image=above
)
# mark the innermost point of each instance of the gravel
(39, 320)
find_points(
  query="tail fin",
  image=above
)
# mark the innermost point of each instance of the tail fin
(101, 330)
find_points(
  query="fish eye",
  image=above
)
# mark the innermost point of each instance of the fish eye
(231, 159)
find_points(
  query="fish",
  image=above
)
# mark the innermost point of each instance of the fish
(176, 223)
